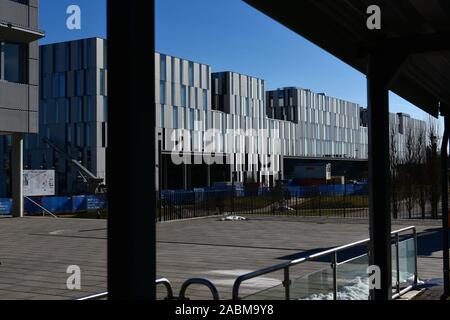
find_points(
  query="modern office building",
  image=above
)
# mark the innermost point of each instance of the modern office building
(72, 117)
(249, 133)
(19, 88)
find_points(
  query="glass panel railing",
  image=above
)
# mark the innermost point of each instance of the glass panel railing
(277, 292)
(314, 286)
(407, 262)
(352, 279)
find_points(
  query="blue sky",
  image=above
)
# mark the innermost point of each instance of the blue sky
(52, 19)
(228, 35)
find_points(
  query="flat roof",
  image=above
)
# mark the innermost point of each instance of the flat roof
(421, 28)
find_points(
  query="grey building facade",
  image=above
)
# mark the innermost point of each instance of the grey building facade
(19, 88)
(73, 111)
(248, 130)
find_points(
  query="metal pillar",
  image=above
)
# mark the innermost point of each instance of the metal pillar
(379, 204)
(444, 175)
(131, 151)
(17, 175)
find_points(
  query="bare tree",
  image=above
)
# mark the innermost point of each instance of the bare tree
(432, 165)
(394, 161)
(408, 174)
(421, 170)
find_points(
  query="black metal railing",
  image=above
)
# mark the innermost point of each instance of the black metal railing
(273, 202)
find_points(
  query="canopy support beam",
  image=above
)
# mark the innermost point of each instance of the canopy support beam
(382, 68)
(444, 175)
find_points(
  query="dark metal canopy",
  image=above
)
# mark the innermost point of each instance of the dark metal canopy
(416, 31)
(11, 32)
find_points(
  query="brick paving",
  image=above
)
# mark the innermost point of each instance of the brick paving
(35, 252)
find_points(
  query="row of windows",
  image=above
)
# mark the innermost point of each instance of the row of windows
(61, 111)
(203, 82)
(84, 83)
(58, 57)
(185, 96)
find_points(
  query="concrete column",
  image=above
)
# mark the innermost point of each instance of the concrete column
(17, 175)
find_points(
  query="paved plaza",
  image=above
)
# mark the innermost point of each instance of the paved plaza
(36, 252)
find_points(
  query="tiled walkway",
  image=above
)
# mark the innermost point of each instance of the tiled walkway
(35, 252)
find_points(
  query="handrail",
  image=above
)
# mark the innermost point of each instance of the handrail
(166, 283)
(286, 265)
(41, 207)
(202, 281)
(94, 297)
(162, 281)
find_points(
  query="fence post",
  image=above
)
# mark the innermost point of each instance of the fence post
(345, 199)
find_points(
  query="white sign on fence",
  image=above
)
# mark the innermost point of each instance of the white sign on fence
(38, 183)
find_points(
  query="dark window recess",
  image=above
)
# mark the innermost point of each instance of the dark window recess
(14, 62)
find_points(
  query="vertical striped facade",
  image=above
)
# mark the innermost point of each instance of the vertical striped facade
(253, 129)
(73, 112)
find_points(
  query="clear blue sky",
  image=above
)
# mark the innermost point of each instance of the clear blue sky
(52, 19)
(228, 35)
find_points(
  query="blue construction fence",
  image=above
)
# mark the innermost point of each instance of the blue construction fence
(71, 204)
(197, 195)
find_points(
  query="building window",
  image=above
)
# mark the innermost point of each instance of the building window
(181, 71)
(78, 79)
(67, 111)
(56, 111)
(105, 109)
(67, 56)
(175, 117)
(69, 133)
(88, 109)
(80, 110)
(192, 118)
(80, 54)
(13, 62)
(78, 134)
(163, 67)
(162, 92)
(196, 97)
(55, 87)
(247, 107)
(205, 100)
(87, 140)
(191, 74)
(62, 84)
(172, 91)
(102, 82)
(183, 96)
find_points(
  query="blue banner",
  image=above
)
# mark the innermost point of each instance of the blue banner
(95, 203)
(5, 206)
